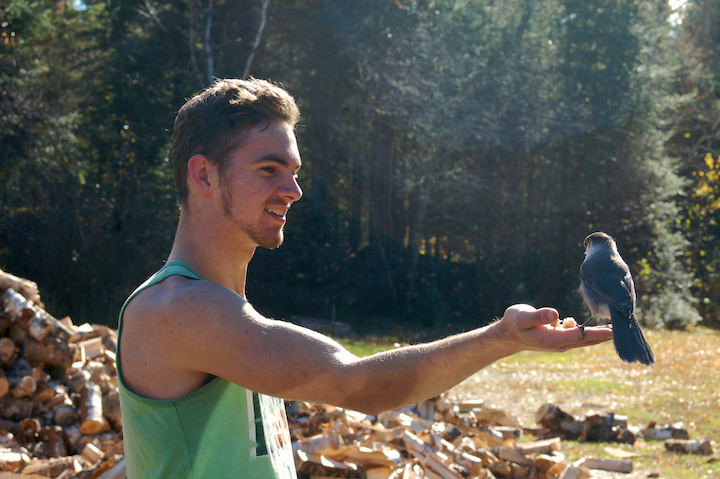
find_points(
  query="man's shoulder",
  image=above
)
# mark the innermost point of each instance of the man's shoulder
(178, 296)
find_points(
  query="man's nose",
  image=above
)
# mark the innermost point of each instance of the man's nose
(290, 189)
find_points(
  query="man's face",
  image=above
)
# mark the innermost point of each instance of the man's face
(260, 183)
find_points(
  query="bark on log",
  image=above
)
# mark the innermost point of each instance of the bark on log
(27, 288)
(64, 413)
(8, 352)
(689, 446)
(111, 409)
(17, 333)
(666, 431)
(28, 430)
(52, 355)
(23, 387)
(15, 409)
(558, 421)
(4, 323)
(91, 410)
(19, 369)
(36, 320)
(4, 384)
(56, 442)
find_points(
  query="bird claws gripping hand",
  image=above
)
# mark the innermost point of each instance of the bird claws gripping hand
(571, 322)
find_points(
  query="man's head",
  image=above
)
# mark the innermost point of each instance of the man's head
(212, 122)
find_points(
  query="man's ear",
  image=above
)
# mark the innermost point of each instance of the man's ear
(201, 174)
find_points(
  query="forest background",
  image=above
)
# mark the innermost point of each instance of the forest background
(456, 152)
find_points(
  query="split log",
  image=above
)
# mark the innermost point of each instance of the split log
(13, 460)
(572, 472)
(488, 414)
(91, 455)
(54, 467)
(500, 469)
(91, 410)
(507, 454)
(545, 462)
(91, 348)
(521, 471)
(544, 446)
(427, 456)
(27, 288)
(613, 465)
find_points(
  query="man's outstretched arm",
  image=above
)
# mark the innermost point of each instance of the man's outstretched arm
(215, 331)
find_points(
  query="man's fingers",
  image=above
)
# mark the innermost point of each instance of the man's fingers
(597, 334)
(527, 317)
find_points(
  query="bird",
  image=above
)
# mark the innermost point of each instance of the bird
(608, 290)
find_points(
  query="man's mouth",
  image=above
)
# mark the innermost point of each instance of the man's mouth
(277, 212)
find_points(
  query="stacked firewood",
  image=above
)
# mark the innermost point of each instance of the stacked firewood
(59, 404)
(434, 439)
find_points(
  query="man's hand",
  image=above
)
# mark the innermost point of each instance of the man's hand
(527, 328)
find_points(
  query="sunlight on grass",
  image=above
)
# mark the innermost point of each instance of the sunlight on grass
(683, 386)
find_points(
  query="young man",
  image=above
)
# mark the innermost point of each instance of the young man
(201, 371)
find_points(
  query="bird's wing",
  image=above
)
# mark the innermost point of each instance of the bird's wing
(615, 284)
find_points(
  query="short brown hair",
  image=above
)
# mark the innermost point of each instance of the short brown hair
(210, 123)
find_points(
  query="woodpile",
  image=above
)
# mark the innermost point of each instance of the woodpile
(435, 439)
(59, 404)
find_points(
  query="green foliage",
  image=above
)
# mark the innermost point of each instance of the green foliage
(695, 141)
(456, 153)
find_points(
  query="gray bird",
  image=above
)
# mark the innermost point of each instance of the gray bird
(608, 289)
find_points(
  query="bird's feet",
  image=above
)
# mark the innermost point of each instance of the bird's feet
(582, 326)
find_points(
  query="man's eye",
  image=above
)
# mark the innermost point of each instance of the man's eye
(269, 169)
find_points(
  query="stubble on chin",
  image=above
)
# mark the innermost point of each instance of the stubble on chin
(268, 241)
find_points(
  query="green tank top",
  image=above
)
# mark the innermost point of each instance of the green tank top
(219, 430)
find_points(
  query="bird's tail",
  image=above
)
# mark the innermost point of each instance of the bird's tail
(630, 343)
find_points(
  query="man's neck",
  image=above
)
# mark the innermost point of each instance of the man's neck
(213, 256)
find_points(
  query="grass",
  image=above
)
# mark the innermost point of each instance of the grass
(683, 386)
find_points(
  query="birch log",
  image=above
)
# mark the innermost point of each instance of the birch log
(27, 288)
(91, 411)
